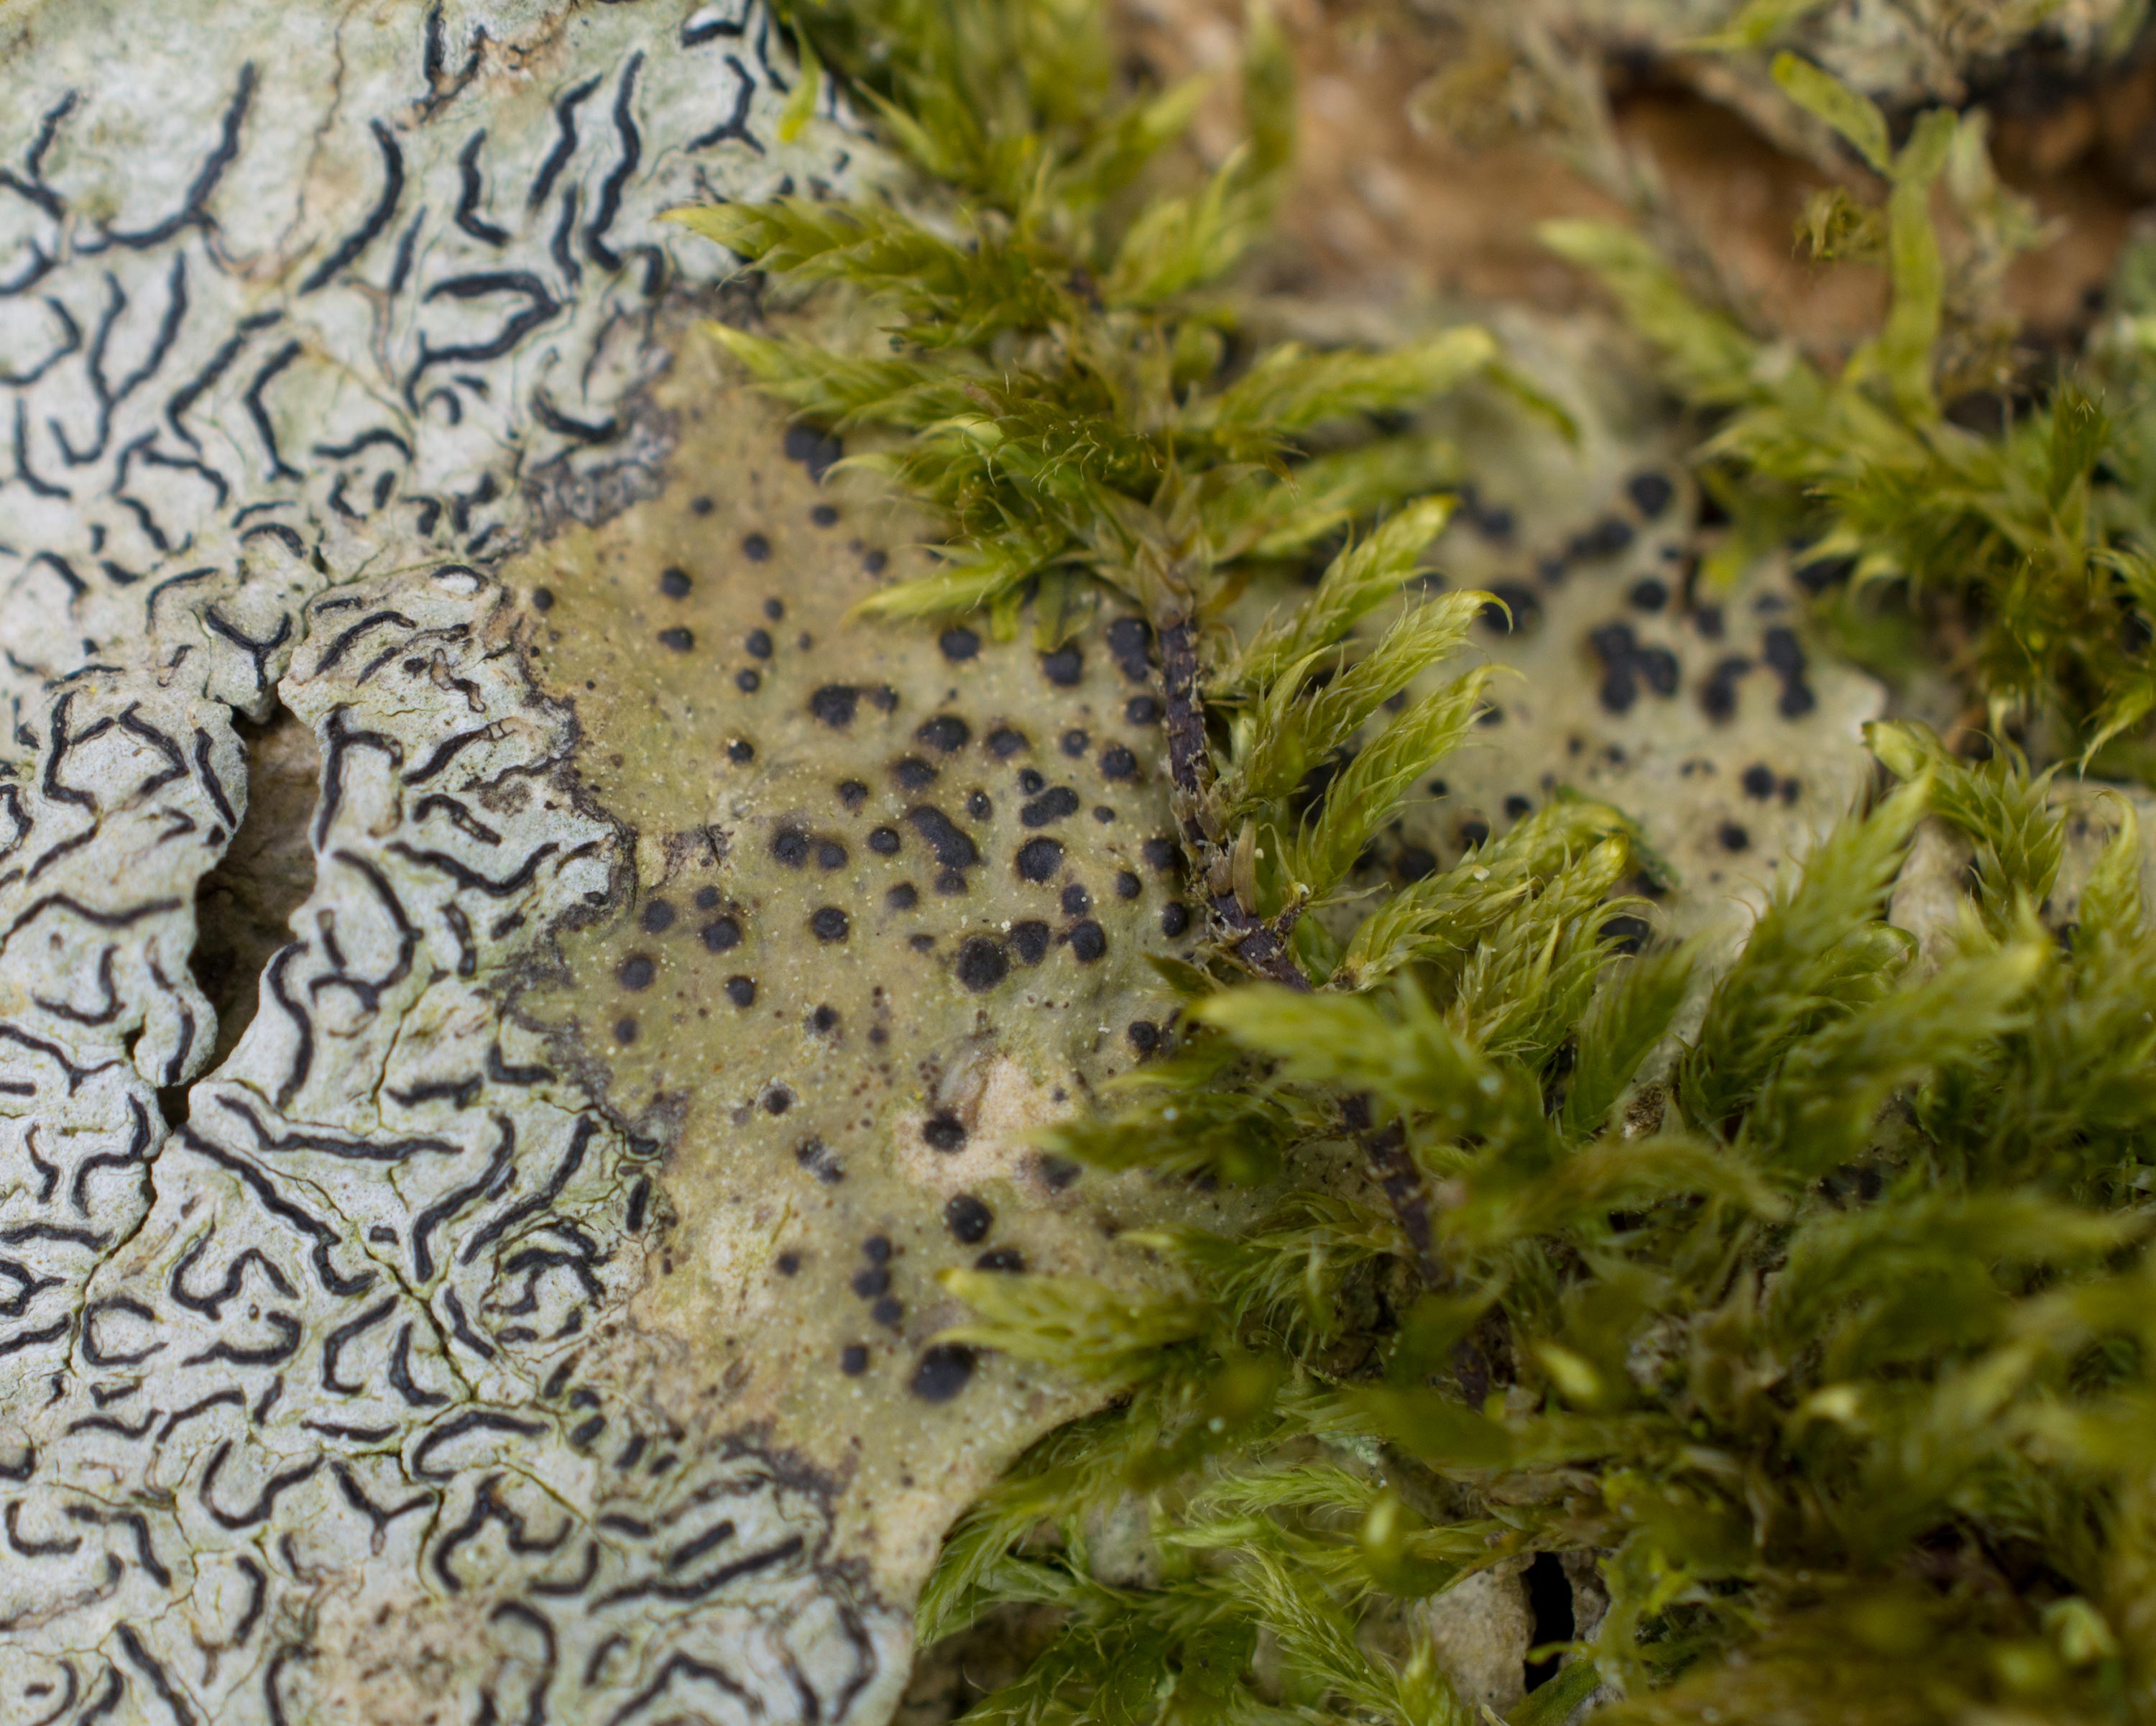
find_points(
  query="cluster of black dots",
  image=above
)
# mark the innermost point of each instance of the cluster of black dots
(1629, 666)
(981, 961)
(941, 742)
(943, 1369)
(717, 926)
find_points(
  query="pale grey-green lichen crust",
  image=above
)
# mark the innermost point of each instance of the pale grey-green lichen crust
(312, 313)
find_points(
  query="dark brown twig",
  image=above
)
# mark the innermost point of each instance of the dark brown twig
(1264, 949)
(1248, 935)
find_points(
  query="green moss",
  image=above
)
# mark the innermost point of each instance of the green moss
(2032, 541)
(1803, 1298)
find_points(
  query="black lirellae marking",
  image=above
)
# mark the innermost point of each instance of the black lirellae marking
(502, 1073)
(184, 398)
(539, 306)
(265, 1501)
(11, 800)
(191, 211)
(735, 126)
(461, 817)
(611, 188)
(210, 783)
(448, 751)
(68, 847)
(356, 1150)
(434, 64)
(60, 744)
(71, 343)
(460, 1326)
(275, 1353)
(487, 1507)
(350, 1488)
(457, 1093)
(584, 431)
(571, 1160)
(303, 1055)
(336, 1342)
(565, 142)
(471, 1421)
(229, 1398)
(49, 1178)
(466, 876)
(791, 1546)
(400, 1374)
(39, 486)
(212, 1302)
(170, 1695)
(136, 1156)
(55, 1053)
(102, 1016)
(258, 411)
(175, 311)
(60, 1233)
(370, 992)
(28, 1339)
(471, 192)
(258, 652)
(695, 31)
(560, 248)
(132, 722)
(378, 218)
(333, 1280)
(96, 1351)
(37, 1548)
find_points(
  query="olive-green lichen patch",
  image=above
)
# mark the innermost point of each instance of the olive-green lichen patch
(894, 892)
(1702, 710)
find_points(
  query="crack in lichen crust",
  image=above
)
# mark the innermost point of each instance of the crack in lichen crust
(306, 1408)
